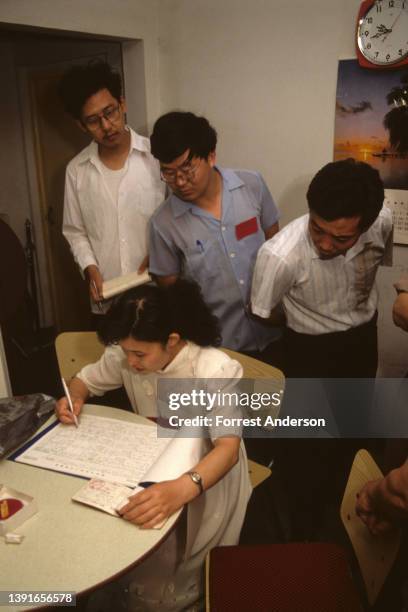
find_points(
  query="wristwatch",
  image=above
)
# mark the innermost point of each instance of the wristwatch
(196, 478)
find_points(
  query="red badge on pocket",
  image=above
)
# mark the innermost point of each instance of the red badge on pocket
(246, 228)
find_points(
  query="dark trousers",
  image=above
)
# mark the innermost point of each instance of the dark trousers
(345, 354)
(312, 473)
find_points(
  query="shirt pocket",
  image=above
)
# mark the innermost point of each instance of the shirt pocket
(202, 260)
(250, 245)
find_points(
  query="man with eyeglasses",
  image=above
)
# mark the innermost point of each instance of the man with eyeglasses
(111, 187)
(211, 227)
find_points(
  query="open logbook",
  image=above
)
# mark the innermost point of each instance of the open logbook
(111, 451)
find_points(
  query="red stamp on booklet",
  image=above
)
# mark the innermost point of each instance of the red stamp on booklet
(246, 228)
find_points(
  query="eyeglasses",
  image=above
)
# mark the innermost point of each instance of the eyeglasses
(110, 113)
(186, 170)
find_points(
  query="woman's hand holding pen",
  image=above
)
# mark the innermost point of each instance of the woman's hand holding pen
(63, 411)
(79, 393)
(159, 501)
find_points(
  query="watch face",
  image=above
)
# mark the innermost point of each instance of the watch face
(382, 33)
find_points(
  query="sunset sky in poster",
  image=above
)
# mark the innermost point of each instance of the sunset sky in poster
(360, 109)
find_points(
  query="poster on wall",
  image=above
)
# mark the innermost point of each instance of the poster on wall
(371, 125)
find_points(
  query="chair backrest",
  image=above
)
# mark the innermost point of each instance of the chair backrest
(267, 379)
(257, 473)
(253, 368)
(375, 554)
(75, 350)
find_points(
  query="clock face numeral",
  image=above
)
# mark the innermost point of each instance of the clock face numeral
(382, 35)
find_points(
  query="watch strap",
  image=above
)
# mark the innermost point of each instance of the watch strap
(196, 478)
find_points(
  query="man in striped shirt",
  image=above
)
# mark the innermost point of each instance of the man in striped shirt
(321, 268)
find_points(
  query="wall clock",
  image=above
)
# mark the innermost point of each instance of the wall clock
(382, 34)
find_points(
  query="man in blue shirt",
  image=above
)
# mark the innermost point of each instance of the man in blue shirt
(211, 227)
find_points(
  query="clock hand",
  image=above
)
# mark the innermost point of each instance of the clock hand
(382, 29)
(392, 27)
(395, 20)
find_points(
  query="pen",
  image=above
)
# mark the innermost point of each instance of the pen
(68, 396)
(98, 303)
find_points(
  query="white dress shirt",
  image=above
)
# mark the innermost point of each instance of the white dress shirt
(320, 295)
(103, 231)
(112, 371)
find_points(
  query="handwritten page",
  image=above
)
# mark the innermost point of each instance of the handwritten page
(107, 449)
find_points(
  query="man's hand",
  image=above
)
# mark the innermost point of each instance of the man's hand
(144, 265)
(159, 501)
(63, 412)
(368, 508)
(95, 280)
(383, 503)
(400, 311)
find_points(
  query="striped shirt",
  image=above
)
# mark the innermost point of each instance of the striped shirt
(320, 296)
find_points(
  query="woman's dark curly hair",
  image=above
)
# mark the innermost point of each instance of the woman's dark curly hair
(150, 314)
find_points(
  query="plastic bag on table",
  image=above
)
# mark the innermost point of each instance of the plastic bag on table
(20, 417)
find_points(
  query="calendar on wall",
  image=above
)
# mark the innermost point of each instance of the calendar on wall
(397, 201)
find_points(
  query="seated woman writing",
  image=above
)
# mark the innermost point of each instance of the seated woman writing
(154, 333)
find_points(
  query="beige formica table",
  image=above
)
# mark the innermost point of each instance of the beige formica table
(69, 546)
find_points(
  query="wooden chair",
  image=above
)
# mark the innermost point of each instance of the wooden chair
(253, 368)
(375, 554)
(75, 350)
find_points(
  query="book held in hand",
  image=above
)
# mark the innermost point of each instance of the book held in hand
(123, 283)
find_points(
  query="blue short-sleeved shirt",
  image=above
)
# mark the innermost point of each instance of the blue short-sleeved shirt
(219, 254)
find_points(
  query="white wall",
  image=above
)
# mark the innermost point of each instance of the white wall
(264, 72)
